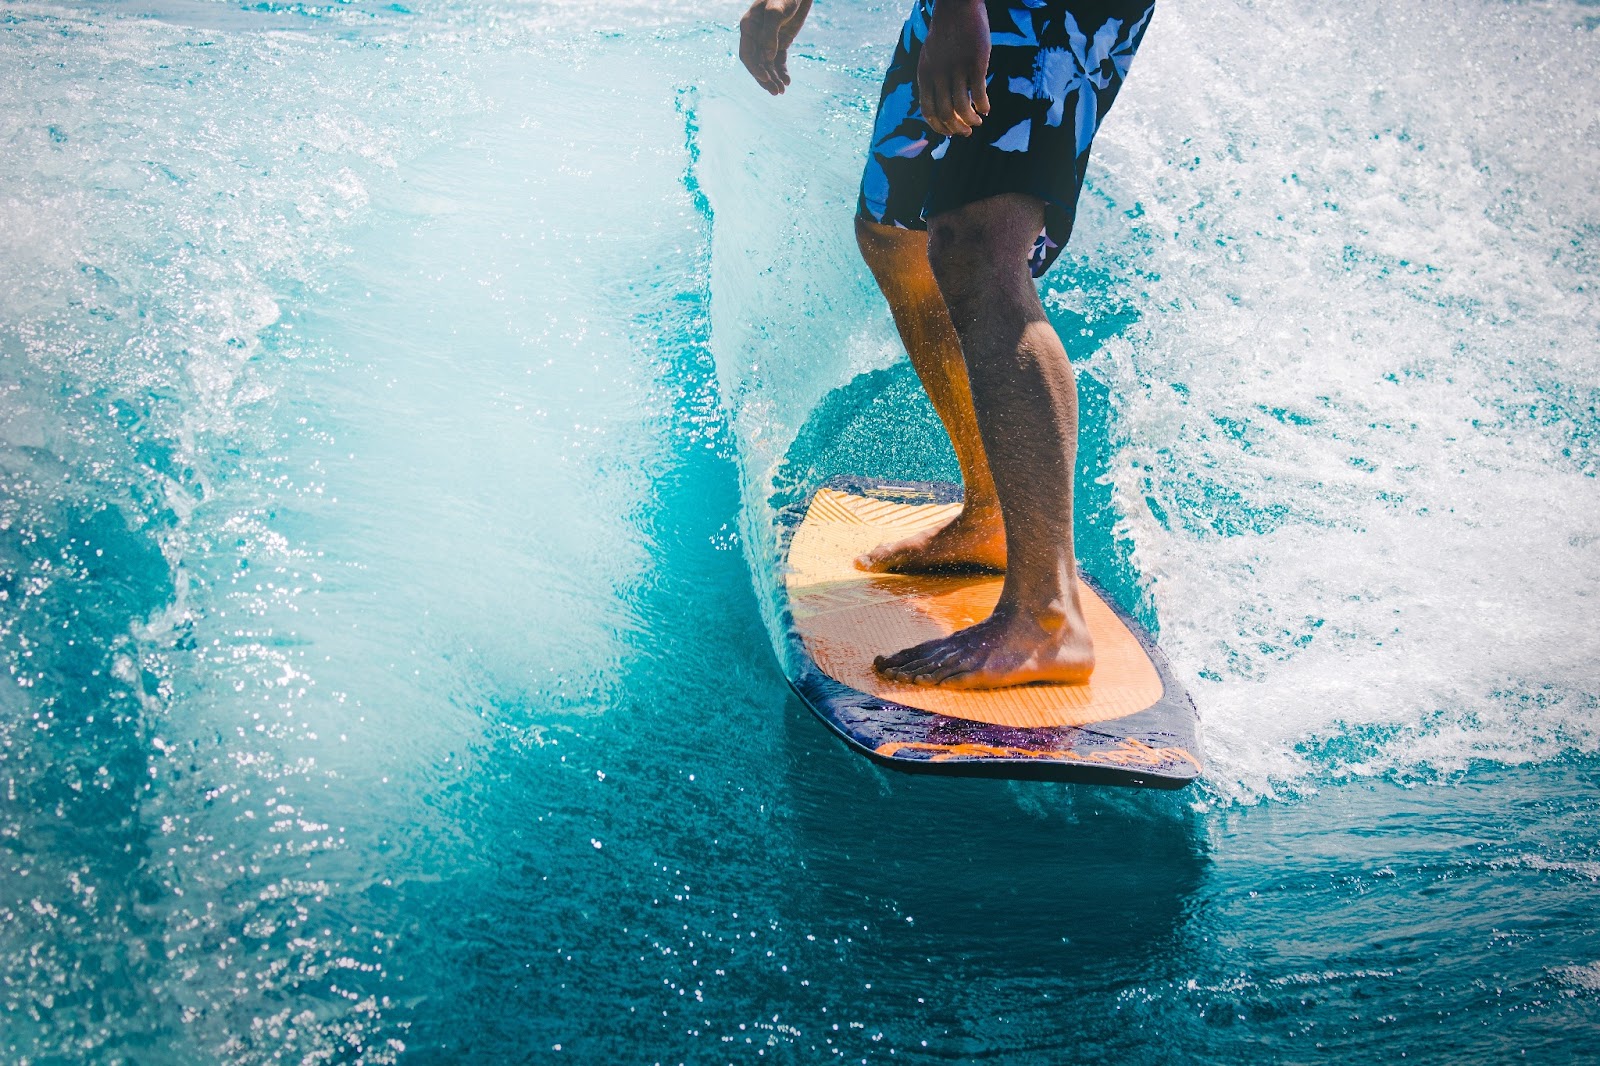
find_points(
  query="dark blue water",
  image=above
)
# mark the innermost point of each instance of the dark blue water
(394, 400)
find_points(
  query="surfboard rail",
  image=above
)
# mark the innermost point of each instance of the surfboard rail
(1153, 746)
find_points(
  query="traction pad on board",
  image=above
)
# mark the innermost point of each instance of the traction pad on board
(1130, 724)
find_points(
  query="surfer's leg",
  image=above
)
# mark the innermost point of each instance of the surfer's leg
(974, 539)
(894, 241)
(1027, 413)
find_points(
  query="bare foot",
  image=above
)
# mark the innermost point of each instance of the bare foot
(973, 540)
(1007, 648)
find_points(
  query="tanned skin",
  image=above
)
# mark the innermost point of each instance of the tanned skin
(997, 373)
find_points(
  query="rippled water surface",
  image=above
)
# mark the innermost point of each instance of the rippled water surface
(394, 399)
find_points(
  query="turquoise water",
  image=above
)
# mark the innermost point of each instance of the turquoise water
(395, 398)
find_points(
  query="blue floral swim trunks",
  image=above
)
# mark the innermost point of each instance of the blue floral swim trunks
(1054, 69)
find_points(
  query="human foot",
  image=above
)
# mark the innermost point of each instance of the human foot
(1007, 648)
(973, 540)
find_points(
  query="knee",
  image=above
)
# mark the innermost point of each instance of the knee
(980, 251)
(959, 253)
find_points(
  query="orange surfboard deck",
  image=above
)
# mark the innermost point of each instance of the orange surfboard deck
(1129, 724)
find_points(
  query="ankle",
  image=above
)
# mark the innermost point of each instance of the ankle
(980, 503)
(1050, 601)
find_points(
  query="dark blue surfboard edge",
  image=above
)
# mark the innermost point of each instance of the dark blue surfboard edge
(1159, 747)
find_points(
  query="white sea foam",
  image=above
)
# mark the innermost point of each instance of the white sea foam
(166, 191)
(1578, 868)
(1579, 978)
(1366, 512)
(1359, 411)
(1355, 419)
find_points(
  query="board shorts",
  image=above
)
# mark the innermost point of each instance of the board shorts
(1054, 70)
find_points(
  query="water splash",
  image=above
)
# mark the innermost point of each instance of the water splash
(1344, 338)
(365, 525)
(177, 191)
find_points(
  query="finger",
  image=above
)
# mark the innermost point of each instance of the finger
(752, 64)
(757, 47)
(767, 57)
(945, 109)
(938, 103)
(953, 95)
(980, 94)
(925, 104)
(928, 98)
(961, 104)
(775, 42)
(746, 52)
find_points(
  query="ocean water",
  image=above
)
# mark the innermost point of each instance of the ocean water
(394, 401)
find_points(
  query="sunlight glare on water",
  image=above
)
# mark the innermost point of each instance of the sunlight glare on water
(1354, 415)
(394, 405)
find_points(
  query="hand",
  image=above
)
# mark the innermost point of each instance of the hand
(765, 34)
(954, 66)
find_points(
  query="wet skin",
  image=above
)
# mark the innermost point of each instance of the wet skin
(975, 538)
(996, 372)
(1024, 404)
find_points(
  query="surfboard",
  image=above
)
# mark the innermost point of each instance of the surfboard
(1130, 724)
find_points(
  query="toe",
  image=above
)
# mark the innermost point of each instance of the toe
(890, 669)
(895, 661)
(912, 673)
(925, 668)
(906, 666)
(903, 674)
(916, 653)
(949, 668)
(928, 660)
